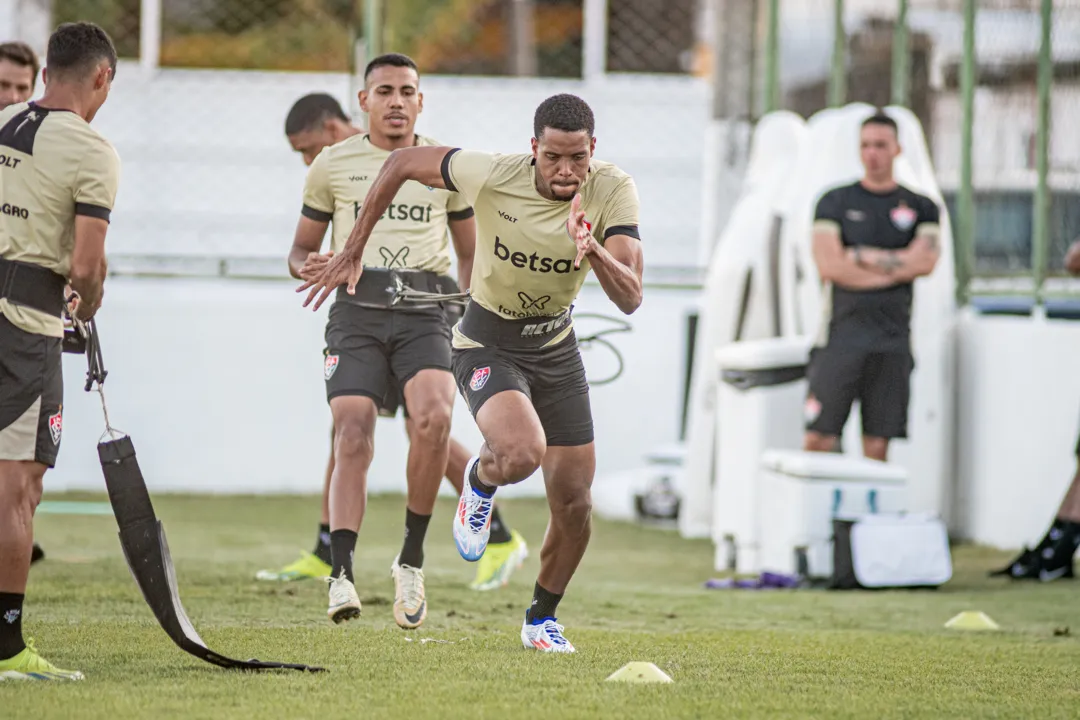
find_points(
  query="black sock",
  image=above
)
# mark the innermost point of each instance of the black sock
(1070, 534)
(543, 605)
(322, 544)
(499, 532)
(412, 551)
(477, 485)
(11, 639)
(1052, 534)
(342, 545)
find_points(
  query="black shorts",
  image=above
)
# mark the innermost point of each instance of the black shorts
(553, 378)
(374, 352)
(881, 382)
(31, 395)
(395, 396)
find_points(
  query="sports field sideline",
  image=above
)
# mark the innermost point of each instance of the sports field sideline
(638, 596)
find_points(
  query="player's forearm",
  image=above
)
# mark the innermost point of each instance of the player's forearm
(90, 285)
(465, 266)
(847, 274)
(620, 282)
(389, 180)
(902, 266)
(297, 258)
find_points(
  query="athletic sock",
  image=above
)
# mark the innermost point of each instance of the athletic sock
(342, 545)
(412, 551)
(1053, 534)
(11, 638)
(477, 485)
(499, 532)
(322, 544)
(543, 605)
(1070, 535)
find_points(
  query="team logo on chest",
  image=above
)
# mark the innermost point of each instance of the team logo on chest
(902, 216)
(479, 378)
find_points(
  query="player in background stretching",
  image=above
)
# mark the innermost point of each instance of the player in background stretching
(57, 188)
(315, 122)
(18, 78)
(543, 219)
(378, 356)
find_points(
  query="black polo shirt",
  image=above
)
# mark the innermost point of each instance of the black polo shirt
(873, 320)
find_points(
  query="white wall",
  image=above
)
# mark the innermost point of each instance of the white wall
(207, 169)
(1003, 139)
(1018, 418)
(219, 383)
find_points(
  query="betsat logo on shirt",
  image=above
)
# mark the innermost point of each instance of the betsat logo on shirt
(401, 211)
(533, 262)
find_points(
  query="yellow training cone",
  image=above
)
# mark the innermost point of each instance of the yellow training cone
(972, 620)
(640, 672)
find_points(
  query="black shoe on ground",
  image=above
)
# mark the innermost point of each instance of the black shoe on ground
(1024, 567)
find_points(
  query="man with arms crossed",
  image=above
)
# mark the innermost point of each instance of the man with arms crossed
(315, 122)
(18, 78)
(58, 183)
(543, 218)
(872, 239)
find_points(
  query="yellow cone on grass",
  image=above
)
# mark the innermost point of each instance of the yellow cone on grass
(639, 672)
(972, 620)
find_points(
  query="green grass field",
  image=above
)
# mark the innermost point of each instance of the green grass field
(638, 596)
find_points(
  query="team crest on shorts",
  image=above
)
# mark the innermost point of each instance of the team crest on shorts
(902, 216)
(56, 425)
(479, 378)
(812, 409)
(330, 366)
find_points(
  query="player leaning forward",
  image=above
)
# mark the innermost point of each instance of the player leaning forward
(543, 219)
(58, 183)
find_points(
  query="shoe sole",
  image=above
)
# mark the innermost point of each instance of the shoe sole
(345, 615)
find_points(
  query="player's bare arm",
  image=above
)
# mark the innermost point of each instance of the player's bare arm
(617, 263)
(423, 164)
(88, 265)
(304, 257)
(916, 260)
(841, 268)
(463, 235)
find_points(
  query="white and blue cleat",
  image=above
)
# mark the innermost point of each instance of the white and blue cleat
(545, 635)
(472, 521)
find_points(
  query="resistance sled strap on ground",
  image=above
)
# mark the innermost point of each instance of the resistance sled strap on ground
(142, 535)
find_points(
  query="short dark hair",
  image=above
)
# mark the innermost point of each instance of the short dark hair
(881, 118)
(313, 110)
(563, 112)
(390, 60)
(21, 54)
(75, 47)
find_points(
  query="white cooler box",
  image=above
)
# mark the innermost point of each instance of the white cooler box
(759, 402)
(802, 492)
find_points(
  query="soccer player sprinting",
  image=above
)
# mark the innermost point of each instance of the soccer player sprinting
(18, 78)
(543, 220)
(58, 183)
(315, 122)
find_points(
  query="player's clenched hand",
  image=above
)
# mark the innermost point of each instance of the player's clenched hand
(339, 270)
(579, 230)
